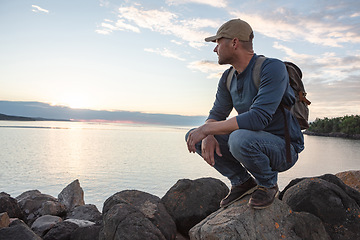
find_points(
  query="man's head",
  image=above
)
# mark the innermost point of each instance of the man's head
(235, 28)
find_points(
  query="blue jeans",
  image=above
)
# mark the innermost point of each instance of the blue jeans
(246, 152)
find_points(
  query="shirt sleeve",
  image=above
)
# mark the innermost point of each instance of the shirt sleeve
(274, 82)
(223, 104)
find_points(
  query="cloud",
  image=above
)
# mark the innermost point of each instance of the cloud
(212, 68)
(134, 18)
(288, 25)
(218, 3)
(165, 53)
(39, 9)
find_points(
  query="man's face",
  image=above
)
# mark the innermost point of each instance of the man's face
(224, 50)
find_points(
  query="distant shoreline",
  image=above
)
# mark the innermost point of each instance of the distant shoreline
(4, 117)
(334, 134)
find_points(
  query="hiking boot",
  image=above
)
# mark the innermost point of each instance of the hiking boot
(239, 191)
(263, 197)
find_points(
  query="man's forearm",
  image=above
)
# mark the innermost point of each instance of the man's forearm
(213, 127)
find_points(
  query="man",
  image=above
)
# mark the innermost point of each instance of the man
(249, 149)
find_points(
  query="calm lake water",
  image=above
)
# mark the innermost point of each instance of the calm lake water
(108, 158)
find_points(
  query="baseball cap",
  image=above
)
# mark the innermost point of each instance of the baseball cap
(235, 28)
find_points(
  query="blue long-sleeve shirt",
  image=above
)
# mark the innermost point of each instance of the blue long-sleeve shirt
(258, 110)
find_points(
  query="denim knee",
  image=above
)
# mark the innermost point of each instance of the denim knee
(238, 142)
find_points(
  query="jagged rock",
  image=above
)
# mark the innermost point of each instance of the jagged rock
(35, 204)
(61, 231)
(18, 230)
(72, 195)
(44, 223)
(86, 212)
(4, 220)
(238, 221)
(86, 233)
(10, 205)
(350, 178)
(190, 201)
(134, 214)
(328, 198)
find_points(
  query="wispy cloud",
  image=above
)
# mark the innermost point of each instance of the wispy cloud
(39, 9)
(165, 53)
(212, 68)
(218, 3)
(135, 18)
(289, 25)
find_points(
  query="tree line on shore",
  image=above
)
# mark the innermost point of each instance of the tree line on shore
(347, 124)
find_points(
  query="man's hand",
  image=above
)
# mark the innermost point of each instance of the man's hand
(194, 137)
(209, 146)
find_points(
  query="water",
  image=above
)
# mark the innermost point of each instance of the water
(110, 157)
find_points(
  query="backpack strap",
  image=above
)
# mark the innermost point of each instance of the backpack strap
(229, 78)
(256, 79)
(256, 73)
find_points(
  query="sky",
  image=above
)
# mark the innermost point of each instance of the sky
(150, 56)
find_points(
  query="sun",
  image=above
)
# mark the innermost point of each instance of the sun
(75, 101)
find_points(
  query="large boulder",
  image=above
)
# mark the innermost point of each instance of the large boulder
(44, 223)
(190, 201)
(328, 198)
(72, 195)
(133, 214)
(35, 204)
(239, 221)
(350, 178)
(10, 205)
(86, 212)
(61, 231)
(18, 230)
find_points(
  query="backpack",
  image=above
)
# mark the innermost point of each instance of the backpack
(300, 109)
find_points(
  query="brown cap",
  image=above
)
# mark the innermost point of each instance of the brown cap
(235, 28)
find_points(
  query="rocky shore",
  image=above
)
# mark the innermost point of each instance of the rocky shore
(323, 207)
(334, 134)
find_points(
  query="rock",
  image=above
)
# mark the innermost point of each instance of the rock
(86, 233)
(190, 201)
(44, 223)
(275, 222)
(328, 198)
(80, 223)
(134, 214)
(350, 178)
(86, 212)
(4, 220)
(18, 230)
(61, 231)
(10, 205)
(35, 204)
(72, 195)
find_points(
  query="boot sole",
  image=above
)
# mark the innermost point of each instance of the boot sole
(250, 191)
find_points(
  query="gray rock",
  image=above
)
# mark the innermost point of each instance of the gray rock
(86, 212)
(61, 231)
(10, 205)
(238, 221)
(86, 233)
(18, 230)
(190, 201)
(141, 212)
(35, 204)
(80, 223)
(338, 211)
(44, 223)
(125, 222)
(72, 195)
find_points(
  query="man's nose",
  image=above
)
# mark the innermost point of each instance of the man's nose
(215, 49)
